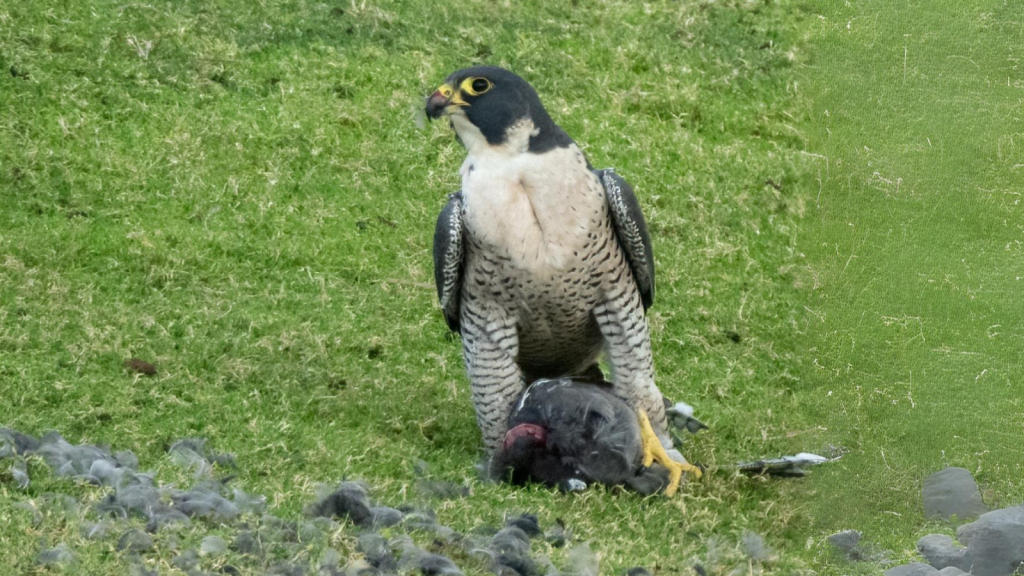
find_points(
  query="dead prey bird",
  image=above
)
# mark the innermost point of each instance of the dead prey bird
(570, 432)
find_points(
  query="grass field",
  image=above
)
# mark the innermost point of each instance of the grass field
(915, 239)
(244, 194)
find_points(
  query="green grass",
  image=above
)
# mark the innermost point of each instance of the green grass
(244, 194)
(915, 239)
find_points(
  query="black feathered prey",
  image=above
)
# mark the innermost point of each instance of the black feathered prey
(569, 433)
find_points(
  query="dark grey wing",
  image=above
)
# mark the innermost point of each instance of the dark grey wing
(448, 257)
(631, 230)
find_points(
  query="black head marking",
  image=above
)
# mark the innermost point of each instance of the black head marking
(508, 100)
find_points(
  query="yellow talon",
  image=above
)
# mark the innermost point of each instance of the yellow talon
(654, 451)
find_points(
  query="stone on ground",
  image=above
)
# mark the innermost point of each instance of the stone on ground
(942, 552)
(995, 542)
(846, 540)
(952, 492)
(915, 569)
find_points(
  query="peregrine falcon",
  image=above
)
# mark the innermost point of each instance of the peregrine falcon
(541, 262)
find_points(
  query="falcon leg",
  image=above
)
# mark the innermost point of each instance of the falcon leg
(655, 452)
(628, 345)
(489, 348)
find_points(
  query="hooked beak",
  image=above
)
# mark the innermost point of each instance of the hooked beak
(442, 99)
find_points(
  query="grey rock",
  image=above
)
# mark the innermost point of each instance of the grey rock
(846, 540)
(953, 571)
(942, 552)
(996, 547)
(915, 569)
(952, 492)
(1012, 515)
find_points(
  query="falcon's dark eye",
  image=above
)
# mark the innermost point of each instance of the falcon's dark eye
(476, 86)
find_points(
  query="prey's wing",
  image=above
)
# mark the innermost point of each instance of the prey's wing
(631, 230)
(449, 254)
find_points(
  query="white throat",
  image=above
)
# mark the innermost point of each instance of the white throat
(517, 137)
(535, 208)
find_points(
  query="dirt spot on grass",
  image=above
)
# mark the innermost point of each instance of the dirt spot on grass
(139, 366)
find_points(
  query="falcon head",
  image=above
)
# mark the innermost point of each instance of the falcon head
(490, 106)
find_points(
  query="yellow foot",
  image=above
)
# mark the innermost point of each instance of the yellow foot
(654, 451)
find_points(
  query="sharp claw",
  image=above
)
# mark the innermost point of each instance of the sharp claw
(654, 451)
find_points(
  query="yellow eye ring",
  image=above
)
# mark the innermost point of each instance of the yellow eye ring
(476, 86)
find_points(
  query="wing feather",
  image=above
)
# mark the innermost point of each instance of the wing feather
(631, 230)
(448, 259)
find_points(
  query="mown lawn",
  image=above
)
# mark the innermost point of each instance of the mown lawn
(915, 239)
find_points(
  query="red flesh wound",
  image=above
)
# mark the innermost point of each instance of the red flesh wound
(532, 431)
